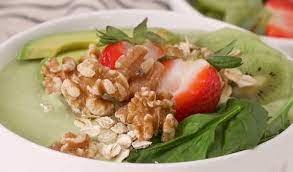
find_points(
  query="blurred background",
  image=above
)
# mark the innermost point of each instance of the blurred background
(18, 15)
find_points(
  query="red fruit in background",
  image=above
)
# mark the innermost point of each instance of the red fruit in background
(113, 52)
(281, 21)
(196, 86)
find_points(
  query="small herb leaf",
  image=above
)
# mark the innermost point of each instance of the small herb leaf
(152, 36)
(117, 33)
(224, 61)
(140, 35)
(139, 32)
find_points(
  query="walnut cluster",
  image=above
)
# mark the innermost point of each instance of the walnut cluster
(119, 109)
(149, 112)
(88, 87)
(140, 71)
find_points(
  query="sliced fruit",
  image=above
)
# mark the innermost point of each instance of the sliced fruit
(112, 53)
(267, 65)
(195, 85)
(281, 22)
(52, 45)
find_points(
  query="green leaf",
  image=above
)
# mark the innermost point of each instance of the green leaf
(112, 35)
(239, 126)
(279, 122)
(193, 123)
(246, 129)
(221, 62)
(242, 132)
(216, 149)
(189, 146)
(152, 36)
(139, 32)
(117, 33)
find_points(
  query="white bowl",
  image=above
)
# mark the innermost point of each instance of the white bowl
(19, 154)
(284, 44)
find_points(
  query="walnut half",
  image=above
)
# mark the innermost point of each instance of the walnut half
(149, 112)
(73, 144)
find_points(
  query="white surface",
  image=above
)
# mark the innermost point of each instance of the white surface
(19, 15)
(282, 43)
(18, 154)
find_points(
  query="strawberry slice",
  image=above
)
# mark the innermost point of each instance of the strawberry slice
(195, 85)
(113, 52)
(281, 22)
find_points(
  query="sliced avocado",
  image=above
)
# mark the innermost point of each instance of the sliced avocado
(55, 44)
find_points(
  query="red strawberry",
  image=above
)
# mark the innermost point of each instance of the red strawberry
(281, 22)
(113, 52)
(195, 85)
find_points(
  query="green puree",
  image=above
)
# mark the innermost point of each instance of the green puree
(20, 111)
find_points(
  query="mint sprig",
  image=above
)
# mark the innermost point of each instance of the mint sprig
(221, 59)
(140, 35)
(221, 62)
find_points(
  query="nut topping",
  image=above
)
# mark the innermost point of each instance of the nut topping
(146, 119)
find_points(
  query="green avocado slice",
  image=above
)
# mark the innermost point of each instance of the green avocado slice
(60, 43)
(55, 44)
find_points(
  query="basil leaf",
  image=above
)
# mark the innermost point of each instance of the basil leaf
(279, 122)
(189, 146)
(152, 36)
(139, 32)
(224, 61)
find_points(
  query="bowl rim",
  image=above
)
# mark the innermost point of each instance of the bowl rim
(4, 130)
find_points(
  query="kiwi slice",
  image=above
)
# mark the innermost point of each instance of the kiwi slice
(273, 78)
(271, 69)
